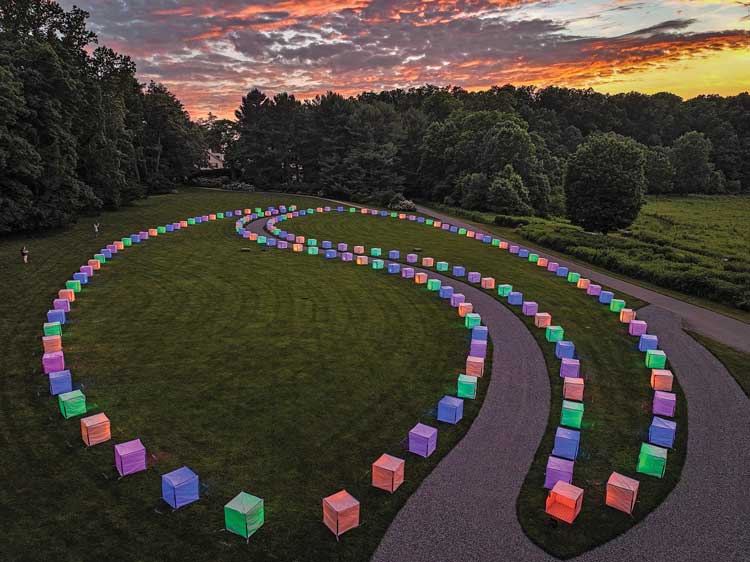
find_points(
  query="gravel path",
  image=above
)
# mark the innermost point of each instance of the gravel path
(465, 509)
(712, 324)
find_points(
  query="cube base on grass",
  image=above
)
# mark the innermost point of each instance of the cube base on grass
(394, 255)
(662, 432)
(459, 271)
(570, 368)
(450, 410)
(475, 366)
(605, 297)
(420, 278)
(407, 273)
(593, 290)
(656, 359)
(574, 277)
(61, 304)
(487, 283)
(60, 382)
(465, 308)
(445, 292)
(662, 379)
(480, 333)
(378, 264)
(388, 473)
(652, 460)
(340, 512)
(566, 444)
(244, 515)
(71, 403)
(95, 429)
(564, 502)
(474, 277)
(504, 290)
(441, 266)
(664, 403)
(52, 362)
(433, 284)
(478, 348)
(565, 349)
(616, 305)
(637, 327)
(648, 341)
(529, 308)
(180, 487)
(427, 262)
(457, 299)
(130, 457)
(466, 386)
(52, 329)
(51, 344)
(583, 283)
(362, 260)
(515, 298)
(422, 440)
(622, 492)
(627, 315)
(542, 319)
(554, 333)
(573, 389)
(394, 268)
(472, 320)
(558, 470)
(572, 414)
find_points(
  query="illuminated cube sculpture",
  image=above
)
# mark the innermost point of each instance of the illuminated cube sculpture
(388, 473)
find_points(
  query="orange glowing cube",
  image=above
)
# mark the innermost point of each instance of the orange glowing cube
(583, 283)
(465, 308)
(661, 379)
(542, 262)
(340, 512)
(52, 344)
(420, 278)
(564, 502)
(542, 319)
(388, 473)
(95, 429)
(626, 315)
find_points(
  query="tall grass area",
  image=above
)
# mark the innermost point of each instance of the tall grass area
(696, 245)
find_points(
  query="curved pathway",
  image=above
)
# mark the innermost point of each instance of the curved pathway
(465, 510)
(707, 322)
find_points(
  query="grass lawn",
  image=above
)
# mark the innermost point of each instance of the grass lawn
(736, 362)
(696, 248)
(617, 397)
(242, 365)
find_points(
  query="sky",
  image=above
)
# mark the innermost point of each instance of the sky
(212, 52)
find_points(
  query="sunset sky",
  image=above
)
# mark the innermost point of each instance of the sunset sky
(211, 52)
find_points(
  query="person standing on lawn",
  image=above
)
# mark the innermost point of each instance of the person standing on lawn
(25, 254)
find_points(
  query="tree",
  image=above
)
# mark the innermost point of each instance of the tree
(659, 170)
(691, 158)
(605, 183)
(508, 195)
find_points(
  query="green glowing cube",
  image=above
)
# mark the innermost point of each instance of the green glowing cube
(656, 359)
(100, 258)
(467, 386)
(376, 252)
(433, 284)
(276, 231)
(442, 266)
(554, 333)
(504, 290)
(312, 251)
(52, 329)
(244, 515)
(652, 460)
(462, 232)
(573, 277)
(533, 258)
(311, 211)
(378, 264)
(472, 320)
(218, 216)
(161, 229)
(73, 284)
(261, 240)
(312, 242)
(616, 305)
(127, 242)
(352, 210)
(191, 221)
(429, 222)
(72, 403)
(572, 414)
(394, 215)
(495, 242)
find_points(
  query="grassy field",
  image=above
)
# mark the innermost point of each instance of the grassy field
(736, 362)
(617, 393)
(242, 365)
(698, 246)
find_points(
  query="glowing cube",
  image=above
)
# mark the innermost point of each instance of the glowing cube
(407, 273)
(180, 487)
(457, 299)
(515, 298)
(504, 290)
(244, 515)
(594, 290)
(554, 333)
(422, 440)
(326, 244)
(474, 366)
(465, 308)
(331, 254)
(662, 432)
(616, 305)
(472, 319)
(558, 470)
(648, 341)
(130, 457)
(51, 344)
(441, 266)
(635, 327)
(621, 492)
(60, 382)
(95, 265)
(533, 258)
(359, 250)
(56, 315)
(420, 278)
(433, 284)
(376, 252)
(662, 379)
(565, 349)
(394, 255)
(503, 245)
(362, 260)
(153, 232)
(462, 232)
(87, 270)
(428, 262)
(74, 285)
(71, 403)
(488, 282)
(262, 240)
(343, 247)
(297, 248)
(652, 460)
(529, 308)
(459, 271)
(542, 319)
(95, 429)
(542, 262)
(572, 414)
(656, 359)
(583, 283)
(553, 266)
(627, 315)
(567, 442)
(446, 292)
(562, 272)
(569, 368)
(62, 305)
(523, 253)
(82, 277)
(474, 277)
(573, 277)
(67, 294)
(378, 264)
(450, 410)
(664, 403)
(412, 258)
(347, 256)
(388, 473)
(394, 268)
(54, 361)
(573, 389)
(466, 386)
(564, 502)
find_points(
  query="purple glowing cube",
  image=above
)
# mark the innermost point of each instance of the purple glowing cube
(343, 247)
(130, 457)
(648, 341)
(570, 368)
(57, 315)
(459, 271)
(53, 361)
(87, 270)
(290, 237)
(478, 348)
(565, 349)
(515, 298)
(558, 469)
(450, 410)
(61, 304)
(530, 308)
(664, 403)
(456, 299)
(422, 440)
(553, 266)
(637, 327)
(662, 432)
(347, 256)
(407, 273)
(411, 258)
(282, 245)
(475, 277)
(594, 290)
(513, 249)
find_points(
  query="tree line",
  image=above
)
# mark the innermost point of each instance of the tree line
(78, 132)
(510, 150)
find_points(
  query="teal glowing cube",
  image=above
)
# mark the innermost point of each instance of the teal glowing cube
(616, 305)
(504, 290)
(472, 320)
(656, 359)
(261, 240)
(442, 266)
(466, 387)
(378, 264)
(554, 333)
(312, 250)
(376, 252)
(312, 242)
(433, 284)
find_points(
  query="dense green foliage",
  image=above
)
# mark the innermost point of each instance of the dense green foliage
(77, 130)
(502, 150)
(605, 183)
